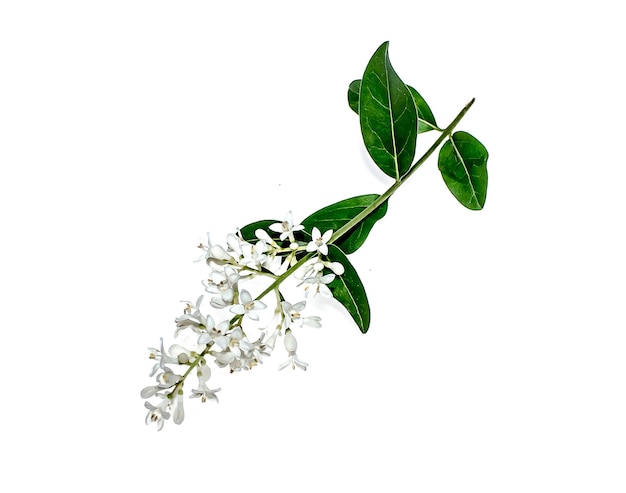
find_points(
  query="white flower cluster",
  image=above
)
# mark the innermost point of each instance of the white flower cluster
(226, 343)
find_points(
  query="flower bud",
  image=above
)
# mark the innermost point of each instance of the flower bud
(291, 345)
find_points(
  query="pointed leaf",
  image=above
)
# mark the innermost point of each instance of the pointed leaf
(425, 117)
(463, 166)
(349, 291)
(388, 116)
(338, 214)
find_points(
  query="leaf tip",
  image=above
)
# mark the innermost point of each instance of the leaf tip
(384, 46)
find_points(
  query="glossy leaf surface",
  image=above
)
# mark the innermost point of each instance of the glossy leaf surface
(338, 214)
(353, 95)
(349, 291)
(463, 166)
(426, 119)
(388, 116)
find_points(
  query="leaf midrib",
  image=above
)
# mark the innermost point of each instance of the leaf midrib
(467, 173)
(393, 126)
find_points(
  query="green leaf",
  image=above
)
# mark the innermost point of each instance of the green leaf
(463, 166)
(247, 232)
(353, 95)
(349, 291)
(426, 119)
(336, 215)
(388, 116)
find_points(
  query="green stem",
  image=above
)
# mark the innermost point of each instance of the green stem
(347, 227)
(198, 359)
(284, 276)
(390, 191)
(374, 205)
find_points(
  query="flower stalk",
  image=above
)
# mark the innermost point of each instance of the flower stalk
(313, 253)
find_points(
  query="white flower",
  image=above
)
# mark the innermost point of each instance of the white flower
(206, 248)
(223, 358)
(316, 264)
(291, 345)
(157, 414)
(150, 391)
(193, 318)
(271, 341)
(261, 234)
(256, 350)
(222, 302)
(222, 282)
(309, 268)
(319, 240)
(237, 351)
(286, 228)
(164, 381)
(204, 392)
(248, 306)
(335, 267)
(272, 261)
(230, 342)
(317, 284)
(254, 255)
(208, 337)
(183, 355)
(230, 352)
(219, 255)
(293, 316)
(161, 358)
(234, 246)
(214, 253)
(167, 378)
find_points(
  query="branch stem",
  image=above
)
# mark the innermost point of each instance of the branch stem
(344, 229)
(374, 205)
(390, 191)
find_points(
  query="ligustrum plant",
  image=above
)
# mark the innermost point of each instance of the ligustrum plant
(312, 253)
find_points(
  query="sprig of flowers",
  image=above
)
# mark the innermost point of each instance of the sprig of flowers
(241, 331)
(273, 254)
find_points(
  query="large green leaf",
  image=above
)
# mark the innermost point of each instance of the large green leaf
(425, 117)
(349, 291)
(338, 214)
(388, 116)
(463, 166)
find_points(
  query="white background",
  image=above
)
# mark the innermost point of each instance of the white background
(495, 361)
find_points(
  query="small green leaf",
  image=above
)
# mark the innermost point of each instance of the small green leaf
(349, 291)
(353, 95)
(388, 116)
(426, 119)
(463, 166)
(338, 214)
(247, 232)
